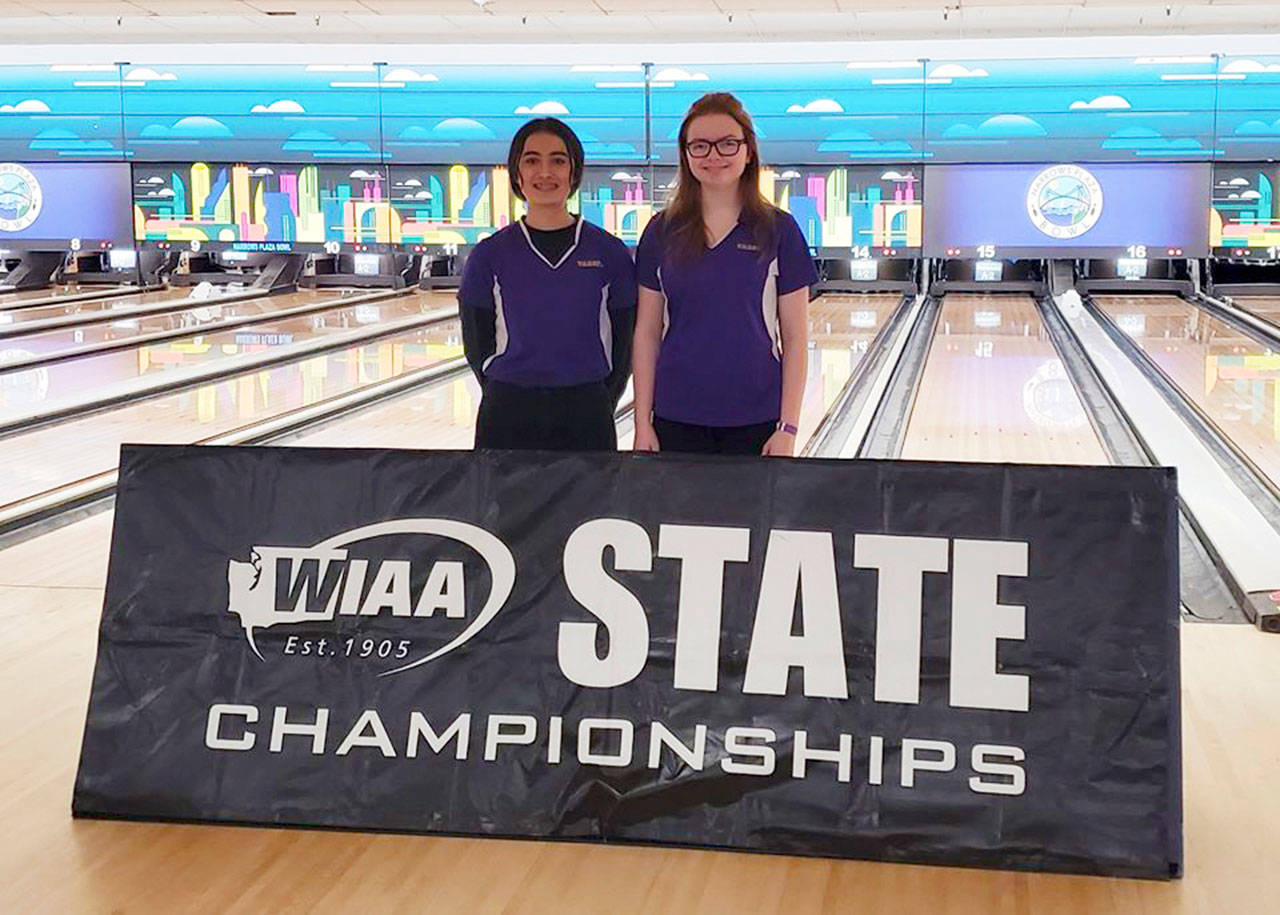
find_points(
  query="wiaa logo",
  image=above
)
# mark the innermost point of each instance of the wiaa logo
(283, 585)
(1064, 201)
(21, 197)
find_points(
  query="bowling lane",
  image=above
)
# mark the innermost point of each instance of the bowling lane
(841, 328)
(37, 309)
(1231, 377)
(75, 378)
(62, 290)
(69, 451)
(994, 390)
(1264, 306)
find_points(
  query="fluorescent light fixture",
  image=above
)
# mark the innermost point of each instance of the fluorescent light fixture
(122, 259)
(606, 68)
(864, 269)
(1201, 59)
(988, 272)
(367, 264)
(882, 64)
(1131, 268)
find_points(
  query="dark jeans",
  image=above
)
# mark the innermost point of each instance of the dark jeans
(674, 436)
(577, 418)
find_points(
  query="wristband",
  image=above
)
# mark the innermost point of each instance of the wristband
(788, 428)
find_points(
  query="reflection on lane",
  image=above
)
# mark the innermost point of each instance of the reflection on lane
(1264, 306)
(61, 290)
(75, 378)
(840, 329)
(1231, 377)
(55, 455)
(993, 389)
(106, 307)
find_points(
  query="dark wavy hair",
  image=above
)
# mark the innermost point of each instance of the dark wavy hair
(683, 225)
(555, 127)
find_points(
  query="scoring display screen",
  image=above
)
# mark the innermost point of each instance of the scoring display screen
(52, 204)
(1155, 209)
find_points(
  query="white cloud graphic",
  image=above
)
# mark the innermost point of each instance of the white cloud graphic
(1102, 103)
(817, 106)
(1251, 195)
(281, 106)
(789, 175)
(262, 172)
(893, 176)
(677, 75)
(957, 71)
(1247, 65)
(405, 75)
(624, 176)
(154, 179)
(361, 174)
(412, 182)
(26, 106)
(550, 106)
(146, 74)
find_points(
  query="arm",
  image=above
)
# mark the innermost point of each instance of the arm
(478, 312)
(479, 337)
(644, 365)
(624, 325)
(793, 321)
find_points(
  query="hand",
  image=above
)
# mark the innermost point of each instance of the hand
(645, 438)
(780, 444)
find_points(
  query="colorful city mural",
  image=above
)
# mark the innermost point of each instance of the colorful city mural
(259, 204)
(868, 209)
(1246, 214)
(461, 204)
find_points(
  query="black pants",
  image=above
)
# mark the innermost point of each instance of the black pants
(577, 418)
(674, 436)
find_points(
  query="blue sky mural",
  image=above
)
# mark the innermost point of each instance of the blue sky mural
(1103, 109)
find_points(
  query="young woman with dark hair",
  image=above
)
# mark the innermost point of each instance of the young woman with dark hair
(548, 309)
(720, 347)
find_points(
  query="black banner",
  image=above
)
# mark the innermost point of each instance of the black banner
(940, 663)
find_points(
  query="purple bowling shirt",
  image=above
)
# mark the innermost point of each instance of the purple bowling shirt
(720, 363)
(553, 320)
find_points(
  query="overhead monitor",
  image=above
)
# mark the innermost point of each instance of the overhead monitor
(81, 206)
(867, 211)
(1245, 219)
(262, 208)
(1133, 210)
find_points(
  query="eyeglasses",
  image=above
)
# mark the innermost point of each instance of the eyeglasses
(725, 146)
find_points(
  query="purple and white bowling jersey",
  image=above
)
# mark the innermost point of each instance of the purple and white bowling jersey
(720, 363)
(553, 320)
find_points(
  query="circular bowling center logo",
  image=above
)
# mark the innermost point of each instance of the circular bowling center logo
(20, 198)
(1064, 201)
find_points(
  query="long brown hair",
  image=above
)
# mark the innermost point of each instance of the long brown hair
(684, 228)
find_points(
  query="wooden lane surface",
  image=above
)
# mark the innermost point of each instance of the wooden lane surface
(1229, 375)
(994, 390)
(72, 379)
(840, 327)
(50, 600)
(58, 454)
(1263, 306)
